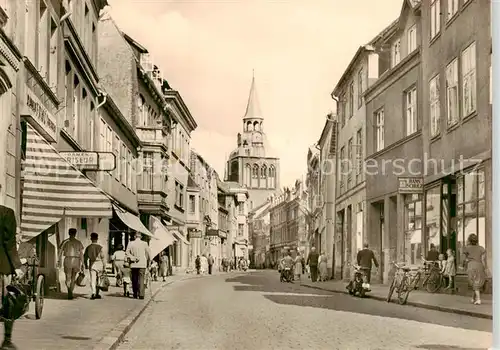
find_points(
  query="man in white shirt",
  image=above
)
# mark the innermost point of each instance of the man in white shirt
(139, 255)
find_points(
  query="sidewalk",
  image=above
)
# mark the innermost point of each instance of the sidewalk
(456, 304)
(83, 323)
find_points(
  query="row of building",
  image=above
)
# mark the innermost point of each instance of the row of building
(405, 162)
(93, 137)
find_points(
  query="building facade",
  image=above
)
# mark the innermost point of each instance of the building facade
(361, 73)
(315, 197)
(456, 85)
(392, 136)
(250, 164)
(259, 235)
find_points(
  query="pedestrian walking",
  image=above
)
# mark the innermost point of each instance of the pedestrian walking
(210, 262)
(139, 255)
(364, 259)
(312, 262)
(10, 264)
(72, 250)
(95, 262)
(323, 267)
(298, 266)
(204, 264)
(163, 265)
(118, 259)
(475, 261)
(197, 264)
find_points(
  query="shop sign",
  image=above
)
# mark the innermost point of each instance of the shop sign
(212, 233)
(222, 234)
(103, 161)
(195, 234)
(39, 116)
(411, 185)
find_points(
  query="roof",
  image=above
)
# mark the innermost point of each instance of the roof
(134, 43)
(253, 106)
(326, 128)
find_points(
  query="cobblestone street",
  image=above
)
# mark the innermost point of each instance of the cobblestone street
(256, 311)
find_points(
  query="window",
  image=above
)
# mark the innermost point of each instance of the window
(123, 164)
(192, 204)
(342, 168)
(411, 113)
(471, 211)
(241, 209)
(452, 92)
(469, 79)
(116, 152)
(179, 195)
(53, 61)
(412, 39)
(43, 40)
(433, 217)
(247, 175)
(109, 139)
(147, 171)
(263, 176)
(435, 109)
(343, 109)
(142, 111)
(359, 155)
(241, 228)
(413, 228)
(76, 106)
(102, 136)
(360, 88)
(435, 18)
(452, 8)
(379, 127)
(349, 162)
(272, 177)
(129, 169)
(255, 175)
(351, 99)
(396, 53)
(134, 175)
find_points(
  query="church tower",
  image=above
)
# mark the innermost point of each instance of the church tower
(250, 164)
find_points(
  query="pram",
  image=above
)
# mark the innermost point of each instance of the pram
(286, 274)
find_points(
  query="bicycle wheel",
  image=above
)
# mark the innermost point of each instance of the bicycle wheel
(392, 287)
(404, 291)
(433, 282)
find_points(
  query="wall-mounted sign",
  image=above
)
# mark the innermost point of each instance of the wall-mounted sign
(39, 116)
(411, 185)
(222, 234)
(102, 161)
(212, 233)
(195, 234)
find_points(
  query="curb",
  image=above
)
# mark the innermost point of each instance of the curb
(415, 304)
(112, 340)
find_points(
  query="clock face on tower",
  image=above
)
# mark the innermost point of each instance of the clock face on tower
(257, 137)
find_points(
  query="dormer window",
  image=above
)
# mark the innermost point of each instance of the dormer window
(396, 53)
(412, 39)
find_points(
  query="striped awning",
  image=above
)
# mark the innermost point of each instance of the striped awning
(53, 188)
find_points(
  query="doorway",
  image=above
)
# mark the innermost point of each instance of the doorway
(340, 239)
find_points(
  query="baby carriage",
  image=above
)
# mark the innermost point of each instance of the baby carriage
(286, 274)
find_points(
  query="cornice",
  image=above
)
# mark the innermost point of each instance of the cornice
(10, 51)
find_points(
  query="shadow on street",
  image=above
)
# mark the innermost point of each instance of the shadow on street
(268, 282)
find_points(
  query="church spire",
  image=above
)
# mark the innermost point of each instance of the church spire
(253, 106)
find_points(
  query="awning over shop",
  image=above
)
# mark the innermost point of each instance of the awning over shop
(132, 221)
(165, 238)
(173, 229)
(53, 189)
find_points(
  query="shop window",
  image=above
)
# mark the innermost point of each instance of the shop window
(413, 229)
(432, 217)
(471, 211)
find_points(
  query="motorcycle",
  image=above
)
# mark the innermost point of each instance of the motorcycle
(286, 275)
(357, 284)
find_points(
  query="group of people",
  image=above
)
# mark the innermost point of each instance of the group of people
(316, 265)
(204, 264)
(131, 264)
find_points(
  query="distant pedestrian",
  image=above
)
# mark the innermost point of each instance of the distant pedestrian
(139, 255)
(323, 267)
(312, 262)
(210, 261)
(197, 264)
(433, 254)
(72, 249)
(163, 265)
(118, 259)
(475, 260)
(10, 264)
(298, 266)
(94, 261)
(204, 264)
(364, 259)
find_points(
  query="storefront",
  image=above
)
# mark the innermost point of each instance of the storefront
(455, 207)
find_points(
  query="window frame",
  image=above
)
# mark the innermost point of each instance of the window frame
(412, 39)
(435, 106)
(147, 170)
(413, 200)
(411, 122)
(467, 75)
(453, 5)
(435, 17)
(379, 129)
(452, 86)
(396, 53)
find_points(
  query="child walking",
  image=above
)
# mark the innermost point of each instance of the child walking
(449, 270)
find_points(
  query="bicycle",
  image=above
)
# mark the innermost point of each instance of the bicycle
(433, 280)
(398, 282)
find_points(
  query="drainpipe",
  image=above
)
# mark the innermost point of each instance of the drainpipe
(105, 96)
(334, 218)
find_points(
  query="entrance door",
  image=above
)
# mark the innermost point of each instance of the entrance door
(340, 235)
(359, 231)
(382, 254)
(348, 240)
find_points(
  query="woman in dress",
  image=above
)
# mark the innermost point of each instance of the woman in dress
(298, 266)
(323, 269)
(163, 265)
(475, 258)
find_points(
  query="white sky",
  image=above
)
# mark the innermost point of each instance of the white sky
(298, 48)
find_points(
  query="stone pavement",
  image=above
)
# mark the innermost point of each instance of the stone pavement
(457, 304)
(83, 323)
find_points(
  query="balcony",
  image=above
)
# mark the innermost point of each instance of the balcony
(154, 135)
